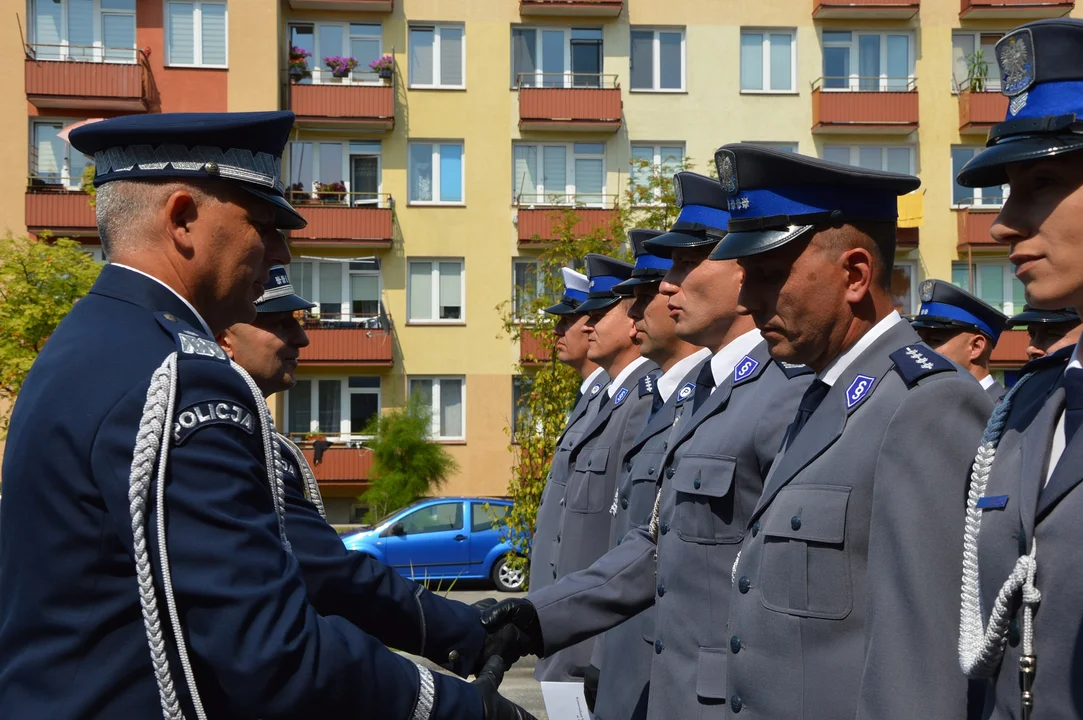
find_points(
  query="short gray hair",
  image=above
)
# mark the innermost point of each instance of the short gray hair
(122, 208)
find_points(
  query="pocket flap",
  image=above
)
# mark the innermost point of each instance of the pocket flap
(705, 475)
(646, 466)
(592, 460)
(814, 513)
(711, 674)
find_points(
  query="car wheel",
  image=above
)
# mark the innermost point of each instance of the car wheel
(505, 577)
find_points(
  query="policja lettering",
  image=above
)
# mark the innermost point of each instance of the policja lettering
(213, 412)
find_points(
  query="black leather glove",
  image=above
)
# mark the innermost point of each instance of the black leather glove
(590, 686)
(485, 603)
(520, 613)
(495, 705)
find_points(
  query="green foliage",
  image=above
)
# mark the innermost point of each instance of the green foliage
(406, 464)
(87, 185)
(40, 280)
(977, 71)
(651, 203)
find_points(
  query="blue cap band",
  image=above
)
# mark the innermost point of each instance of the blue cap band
(811, 199)
(604, 283)
(577, 295)
(952, 312)
(652, 262)
(1051, 98)
(704, 215)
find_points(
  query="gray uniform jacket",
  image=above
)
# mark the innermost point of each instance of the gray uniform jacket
(550, 509)
(1049, 517)
(996, 391)
(583, 536)
(846, 602)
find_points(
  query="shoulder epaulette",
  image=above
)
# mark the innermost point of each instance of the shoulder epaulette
(1057, 359)
(791, 370)
(647, 384)
(190, 342)
(914, 362)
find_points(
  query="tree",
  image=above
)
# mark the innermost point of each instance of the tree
(40, 280)
(406, 464)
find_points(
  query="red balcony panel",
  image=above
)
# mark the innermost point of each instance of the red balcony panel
(582, 8)
(1011, 349)
(570, 109)
(865, 9)
(348, 345)
(379, 6)
(864, 112)
(345, 226)
(64, 212)
(974, 227)
(72, 85)
(1016, 9)
(360, 106)
(906, 238)
(531, 349)
(979, 111)
(537, 225)
(341, 465)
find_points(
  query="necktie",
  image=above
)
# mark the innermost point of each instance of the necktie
(704, 386)
(1073, 403)
(578, 396)
(809, 402)
(656, 402)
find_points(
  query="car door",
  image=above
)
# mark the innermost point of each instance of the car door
(485, 523)
(434, 542)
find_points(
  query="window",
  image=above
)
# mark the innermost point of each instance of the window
(340, 408)
(665, 160)
(556, 57)
(445, 398)
(993, 281)
(963, 46)
(526, 287)
(52, 160)
(657, 58)
(520, 415)
(484, 518)
(436, 173)
(903, 290)
(442, 517)
(977, 197)
(322, 40)
(436, 291)
(83, 30)
(437, 56)
(768, 61)
(197, 33)
(868, 62)
(346, 291)
(893, 159)
(559, 174)
(356, 164)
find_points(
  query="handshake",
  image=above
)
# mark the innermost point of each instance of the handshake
(511, 631)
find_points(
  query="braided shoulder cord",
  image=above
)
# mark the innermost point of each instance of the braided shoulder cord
(981, 646)
(652, 526)
(308, 478)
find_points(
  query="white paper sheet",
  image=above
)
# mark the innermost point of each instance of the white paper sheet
(565, 701)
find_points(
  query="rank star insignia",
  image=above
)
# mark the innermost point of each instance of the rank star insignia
(927, 291)
(193, 344)
(726, 164)
(923, 362)
(1015, 55)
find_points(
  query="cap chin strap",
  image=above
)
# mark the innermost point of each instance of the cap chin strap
(1045, 125)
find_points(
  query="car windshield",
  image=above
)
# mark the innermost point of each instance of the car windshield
(393, 513)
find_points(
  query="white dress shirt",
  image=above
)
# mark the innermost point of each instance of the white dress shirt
(726, 359)
(988, 381)
(837, 367)
(667, 384)
(206, 328)
(589, 381)
(623, 374)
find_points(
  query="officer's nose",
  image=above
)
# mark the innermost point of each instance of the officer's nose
(298, 336)
(276, 250)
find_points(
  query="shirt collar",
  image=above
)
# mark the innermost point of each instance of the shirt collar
(988, 381)
(1075, 364)
(590, 380)
(672, 377)
(837, 367)
(726, 359)
(623, 374)
(202, 322)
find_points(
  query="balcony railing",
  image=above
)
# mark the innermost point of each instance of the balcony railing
(581, 8)
(864, 105)
(865, 9)
(577, 102)
(974, 226)
(342, 466)
(74, 77)
(546, 223)
(350, 104)
(349, 339)
(531, 351)
(376, 6)
(1015, 9)
(55, 207)
(1010, 350)
(979, 111)
(343, 219)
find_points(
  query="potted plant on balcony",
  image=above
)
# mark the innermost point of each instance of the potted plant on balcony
(340, 66)
(332, 192)
(977, 71)
(298, 65)
(384, 66)
(297, 195)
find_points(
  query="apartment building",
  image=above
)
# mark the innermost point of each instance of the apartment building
(427, 190)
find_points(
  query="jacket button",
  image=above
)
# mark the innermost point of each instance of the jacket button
(665, 445)
(658, 646)
(589, 463)
(735, 703)
(735, 644)
(795, 522)
(665, 528)
(696, 483)
(624, 503)
(453, 656)
(661, 589)
(620, 539)
(669, 472)
(562, 502)
(744, 584)
(755, 528)
(628, 466)
(651, 471)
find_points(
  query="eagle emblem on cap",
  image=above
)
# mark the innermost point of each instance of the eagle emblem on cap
(1015, 55)
(678, 193)
(926, 290)
(726, 164)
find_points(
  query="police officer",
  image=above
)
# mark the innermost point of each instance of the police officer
(962, 328)
(1048, 330)
(158, 578)
(1022, 609)
(841, 609)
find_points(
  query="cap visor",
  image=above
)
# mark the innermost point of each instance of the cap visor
(286, 217)
(592, 304)
(931, 322)
(287, 303)
(562, 309)
(1049, 317)
(743, 244)
(663, 245)
(987, 168)
(626, 288)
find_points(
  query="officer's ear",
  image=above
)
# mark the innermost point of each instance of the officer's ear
(181, 211)
(225, 340)
(978, 347)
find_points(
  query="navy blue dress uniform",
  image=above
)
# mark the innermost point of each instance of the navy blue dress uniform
(589, 397)
(842, 607)
(94, 622)
(947, 307)
(594, 463)
(1022, 533)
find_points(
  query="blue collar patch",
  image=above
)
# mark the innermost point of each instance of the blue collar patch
(859, 389)
(620, 396)
(596, 389)
(745, 369)
(914, 362)
(686, 391)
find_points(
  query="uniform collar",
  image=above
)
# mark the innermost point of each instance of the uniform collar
(623, 374)
(1074, 364)
(202, 322)
(987, 382)
(726, 359)
(838, 366)
(668, 383)
(590, 380)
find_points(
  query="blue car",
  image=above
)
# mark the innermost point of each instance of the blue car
(444, 538)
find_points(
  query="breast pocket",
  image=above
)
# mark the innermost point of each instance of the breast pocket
(805, 566)
(704, 502)
(643, 487)
(586, 488)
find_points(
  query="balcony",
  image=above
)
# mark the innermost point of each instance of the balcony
(531, 349)
(353, 341)
(1010, 350)
(340, 466)
(886, 111)
(62, 211)
(373, 6)
(975, 224)
(579, 8)
(87, 78)
(865, 9)
(979, 111)
(1014, 9)
(348, 105)
(545, 220)
(569, 102)
(343, 219)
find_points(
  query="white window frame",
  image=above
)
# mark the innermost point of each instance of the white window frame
(539, 283)
(570, 192)
(96, 252)
(656, 59)
(347, 295)
(347, 163)
(320, 74)
(436, 172)
(345, 433)
(765, 49)
(98, 53)
(569, 75)
(437, 29)
(1008, 307)
(854, 84)
(437, 382)
(992, 83)
(855, 153)
(915, 302)
(657, 161)
(67, 181)
(197, 33)
(434, 279)
(977, 191)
